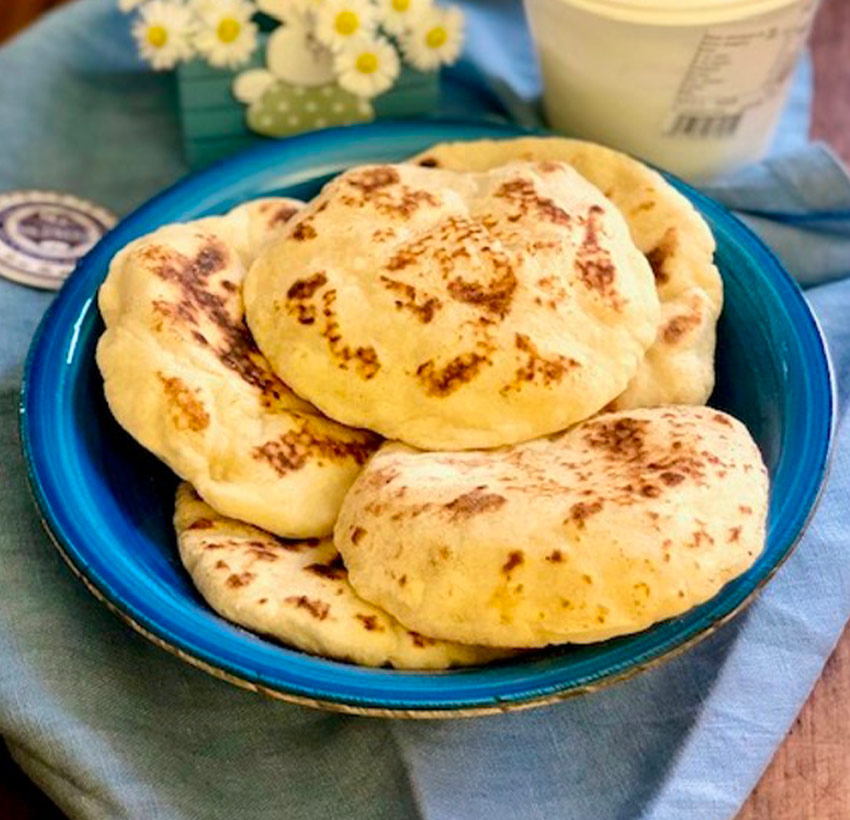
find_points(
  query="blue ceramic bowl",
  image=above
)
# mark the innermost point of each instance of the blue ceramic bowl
(108, 504)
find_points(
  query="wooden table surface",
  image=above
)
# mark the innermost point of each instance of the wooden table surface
(809, 777)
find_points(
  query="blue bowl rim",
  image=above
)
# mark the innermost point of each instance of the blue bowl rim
(398, 707)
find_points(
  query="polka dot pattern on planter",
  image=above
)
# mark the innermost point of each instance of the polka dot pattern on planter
(285, 109)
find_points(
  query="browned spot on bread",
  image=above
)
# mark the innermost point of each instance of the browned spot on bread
(524, 194)
(745, 510)
(196, 301)
(305, 288)
(201, 524)
(548, 370)
(240, 580)
(285, 543)
(381, 188)
(474, 503)
(424, 310)
(580, 512)
(261, 552)
(721, 419)
(428, 162)
(555, 557)
(383, 234)
(420, 641)
(658, 256)
(304, 231)
(372, 179)
(515, 558)
(262, 601)
(356, 534)
(188, 411)
(646, 205)
(318, 609)
(622, 438)
(734, 534)
(283, 214)
(222, 565)
(409, 202)
(365, 358)
(213, 546)
(650, 491)
(593, 262)
(550, 166)
(370, 622)
(333, 570)
(402, 258)
(671, 479)
(443, 381)
(295, 448)
(402, 581)
(457, 237)
(379, 478)
(199, 338)
(697, 538)
(678, 326)
(494, 296)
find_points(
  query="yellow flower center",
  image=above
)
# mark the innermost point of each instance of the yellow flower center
(401, 5)
(346, 23)
(436, 37)
(157, 36)
(367, 63)
(228, 29)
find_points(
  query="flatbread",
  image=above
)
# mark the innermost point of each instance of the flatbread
(249, 227)
(183, 376)
(452, 310)
(679, 367)
(298, 593)
(620, 522)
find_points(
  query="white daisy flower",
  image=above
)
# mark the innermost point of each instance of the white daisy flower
(129, 5)
(227, 37)
(436, 39)
(341, 21)
(399, 16)
(163, 32)
(367, 66)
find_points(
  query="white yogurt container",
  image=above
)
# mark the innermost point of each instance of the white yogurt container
(695, 86)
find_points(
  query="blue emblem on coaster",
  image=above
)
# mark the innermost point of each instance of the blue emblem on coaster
(44, 234)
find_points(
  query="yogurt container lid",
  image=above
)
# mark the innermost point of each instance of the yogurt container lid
(43, 234)
(683, 12)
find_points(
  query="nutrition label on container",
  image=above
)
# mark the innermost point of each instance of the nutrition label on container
(735, 69)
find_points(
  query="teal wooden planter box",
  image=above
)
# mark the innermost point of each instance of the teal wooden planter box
(215, 124)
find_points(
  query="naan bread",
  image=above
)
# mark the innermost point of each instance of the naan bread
(622, 521)
(679, 367)
(249, 227)
(452, 310)
(298, 592)
(183, 376)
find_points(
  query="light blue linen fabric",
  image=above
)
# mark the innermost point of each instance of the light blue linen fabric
(112, 727)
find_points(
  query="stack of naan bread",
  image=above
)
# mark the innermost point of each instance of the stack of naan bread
(449, 409)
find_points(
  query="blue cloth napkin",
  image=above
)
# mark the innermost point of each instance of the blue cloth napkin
(112, 727)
